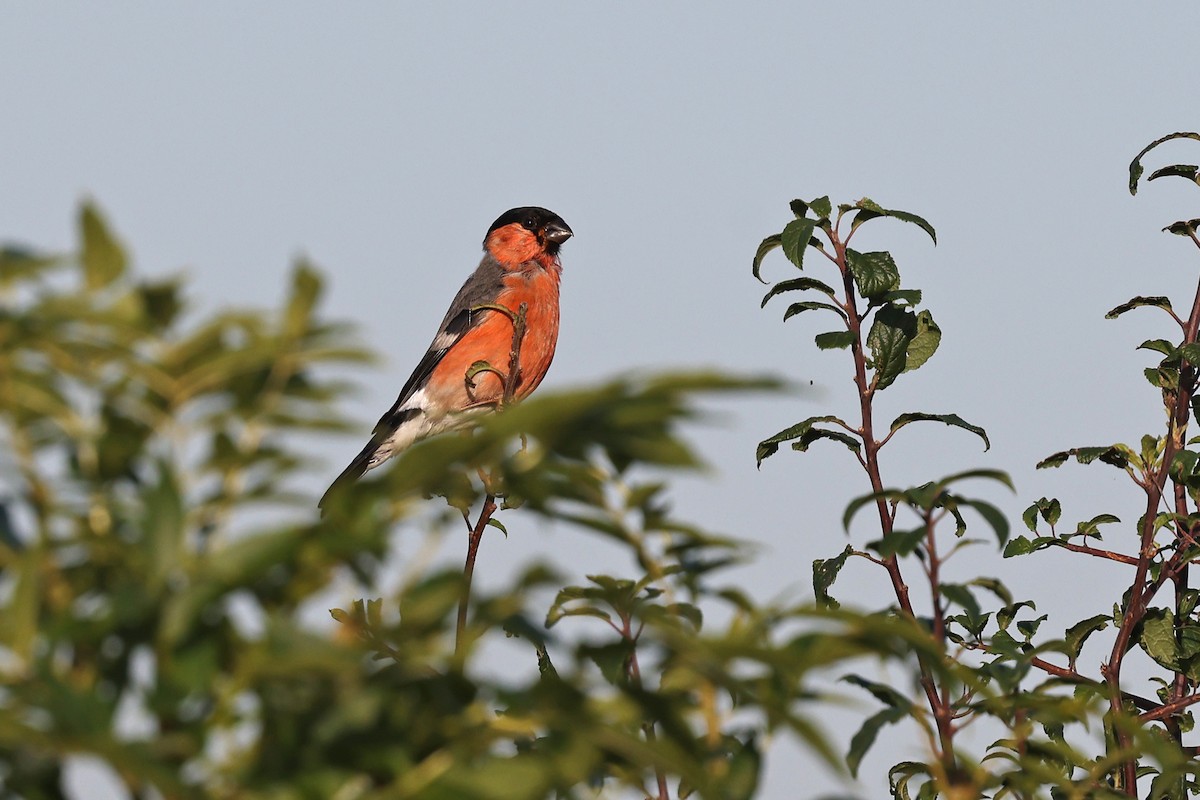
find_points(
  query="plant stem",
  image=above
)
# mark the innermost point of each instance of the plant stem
(475, 532)
(634, 675)
(473, 540)
(1139, 599)
(866, 396)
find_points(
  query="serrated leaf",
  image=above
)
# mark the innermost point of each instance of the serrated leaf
(925, 343)
(953, 420)
(825, 572)
(769, 446)
(102, 256)
(1155, 301)
(1019, 546)
(766, 246)
(1191, 352)
(891, 332)
(1112, 456)
(912, 219)
(874, 273)
(795, 238)
(797, 284)
(869, 210)
(821, 207)
(1157, 637)
(834, 340)
(815, 434)
(1159, 346)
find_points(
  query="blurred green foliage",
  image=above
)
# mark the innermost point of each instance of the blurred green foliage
(159, 554)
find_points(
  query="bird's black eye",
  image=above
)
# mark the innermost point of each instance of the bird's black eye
(529, 224)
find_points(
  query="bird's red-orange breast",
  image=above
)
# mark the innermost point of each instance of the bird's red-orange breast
(491, 341)
(520, 266)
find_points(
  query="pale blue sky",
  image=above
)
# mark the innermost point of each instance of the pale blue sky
(381, 140)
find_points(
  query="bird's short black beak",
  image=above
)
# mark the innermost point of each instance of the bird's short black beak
(557, 232)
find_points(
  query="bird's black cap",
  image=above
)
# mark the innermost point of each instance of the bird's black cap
(537, 219)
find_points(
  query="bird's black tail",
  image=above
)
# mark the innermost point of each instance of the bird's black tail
(349, 475)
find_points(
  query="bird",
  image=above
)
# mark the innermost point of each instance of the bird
(520, 266)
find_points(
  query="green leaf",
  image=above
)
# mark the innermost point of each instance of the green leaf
(992, 516)
(891, 332)
(912, 219)
(1078, 633)
(1189, 171)
(814, 434)
(797, 284)
(860, 502)
(999, 476)
(834, 340)
(810, 305)
(766, 246)
(795, 238)
(874, 273)
(1157, 637)
(1135, 166)
(821, 207)
(1190, 352)
(103, 257)
(1138, 302)
(905, 298)
(954, 420)
(869, 210)
(925, 343)
(1091, 526)
(825, 572)
(995, 586)
(1005, 616)
(1112, 455)
(610, 658)
(1159, 346)
(1183, 227)
(1019, 546)
(898, 543)
(961, 596)
(768, 447)
(1048, 509)
(897, 709)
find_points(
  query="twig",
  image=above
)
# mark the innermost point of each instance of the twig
(475, 532)
(634, 675)
(1169, 709)
(1138, 597)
